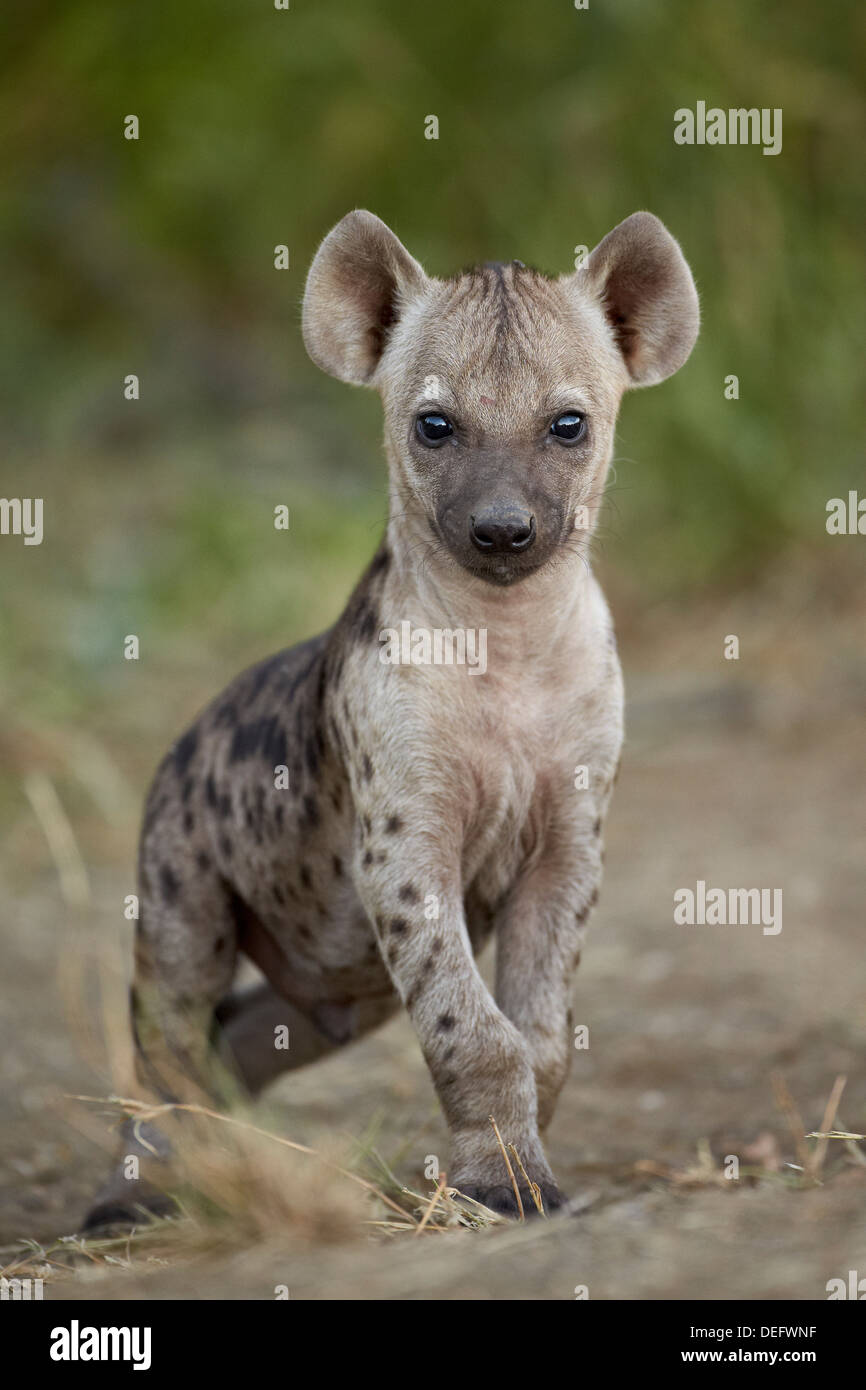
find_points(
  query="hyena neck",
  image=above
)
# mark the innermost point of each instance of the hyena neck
(538, 620)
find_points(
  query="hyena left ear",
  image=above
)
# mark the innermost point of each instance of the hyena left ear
(646, 289)
(360, 278)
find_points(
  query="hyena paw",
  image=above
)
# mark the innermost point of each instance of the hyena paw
(113, 1212)
(501, 1198)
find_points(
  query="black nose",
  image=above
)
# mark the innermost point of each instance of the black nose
(502, 530)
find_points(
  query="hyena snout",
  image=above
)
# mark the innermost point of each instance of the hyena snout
(502, 528)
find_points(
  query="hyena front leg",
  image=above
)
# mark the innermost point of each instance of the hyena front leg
(540, 933)
(478, 1060)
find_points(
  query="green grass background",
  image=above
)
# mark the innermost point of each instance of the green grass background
(261, 127)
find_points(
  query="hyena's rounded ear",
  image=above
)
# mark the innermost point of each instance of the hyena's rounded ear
(646, 289)
(359, 280)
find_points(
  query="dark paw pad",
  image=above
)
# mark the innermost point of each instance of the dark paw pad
(113, 1214)
(502, 1200)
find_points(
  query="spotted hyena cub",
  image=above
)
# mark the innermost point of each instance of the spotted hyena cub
(360, 813)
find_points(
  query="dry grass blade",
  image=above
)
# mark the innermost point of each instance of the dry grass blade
(820, 1153)
(785, 1102)
(430, 1206)
(57, 828)
(510, 1169)
(835, 1134)
(141, 1112)
(533, 1186)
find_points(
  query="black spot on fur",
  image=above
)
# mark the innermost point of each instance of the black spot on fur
(311, 756)
(368, 859)
(188, 822)
(210, 792)
(381, 562)
(366, 768)
(260, 737)
(596, 829)
(368, 624)
(169, 883)
(263, 673)
(445, 1023)
(134, 1015)
(420, 982)
(399, 926)
(393, 825)
(226, 715)
(203, 860)
(225, 847)
(311, 811)
(407, 894)
(184, 751)
(305, 877)
(301, 675)
(219, 944)
(337, 865)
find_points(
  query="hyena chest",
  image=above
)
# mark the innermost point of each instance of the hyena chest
(511, 791)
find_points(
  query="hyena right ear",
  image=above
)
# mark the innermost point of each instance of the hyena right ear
(360, 278)
(648, 295)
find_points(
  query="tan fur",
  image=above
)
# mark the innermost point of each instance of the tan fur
(429, 807)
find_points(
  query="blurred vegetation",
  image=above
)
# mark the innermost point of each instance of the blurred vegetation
(261, 127)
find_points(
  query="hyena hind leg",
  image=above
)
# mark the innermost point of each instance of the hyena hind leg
(262, 1035)
(185, 956)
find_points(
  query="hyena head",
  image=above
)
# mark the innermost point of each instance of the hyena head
(500, 386)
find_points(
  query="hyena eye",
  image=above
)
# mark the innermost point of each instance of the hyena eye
(433, 428)
(569, 427)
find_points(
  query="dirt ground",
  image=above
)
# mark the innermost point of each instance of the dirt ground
(743, 774)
